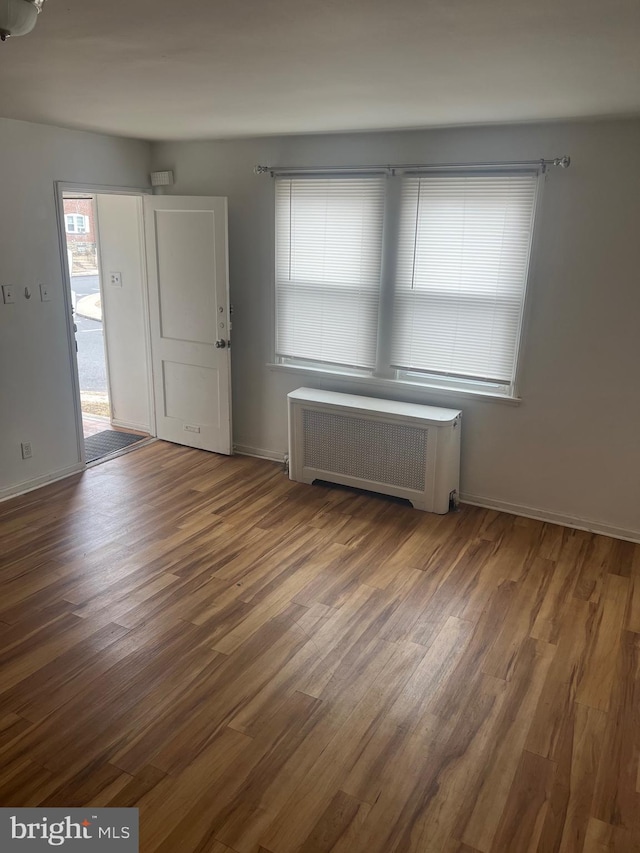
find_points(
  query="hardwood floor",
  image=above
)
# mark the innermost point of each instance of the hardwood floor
(266, 667)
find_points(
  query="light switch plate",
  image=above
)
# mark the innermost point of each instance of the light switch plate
(115, 279)
(8, 293)
(45, 294)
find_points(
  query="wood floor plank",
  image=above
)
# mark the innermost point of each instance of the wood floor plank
(336, 822)
(428, 781)
(616, 799)
(421, 694)
(24, 781)
(365, 685)
(577, 755)
(262, 666)
(25, 657)
(597, 682)
(550, 614)
(633, 611)
(95, 785)
(520, 621)
(525, 811)
(555, 713)
(520, 703)
(455, 691)
(604, 838)
(56, 682)
(591, 570)
(136, 788)
(174, 797)
(227, 805)
(455, 846)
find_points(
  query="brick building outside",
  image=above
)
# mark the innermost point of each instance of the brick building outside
(80, 230)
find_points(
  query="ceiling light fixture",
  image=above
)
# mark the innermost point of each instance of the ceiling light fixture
(18, 17)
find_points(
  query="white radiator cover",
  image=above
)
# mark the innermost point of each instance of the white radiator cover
(400, 449)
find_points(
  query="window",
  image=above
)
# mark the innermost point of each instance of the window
(463, 253)
(76, 223)
(456, 248)
(328, 258)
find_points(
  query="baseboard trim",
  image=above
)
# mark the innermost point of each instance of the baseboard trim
(258, 453)
(553, 517)
(37, 482)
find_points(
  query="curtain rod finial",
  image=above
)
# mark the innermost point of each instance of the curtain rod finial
(261, 170)
(563, 162)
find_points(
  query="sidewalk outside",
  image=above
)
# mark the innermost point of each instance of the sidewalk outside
(93, 402)
(90, 307)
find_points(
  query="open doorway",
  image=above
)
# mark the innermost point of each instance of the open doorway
(86, 298)
(164, 285)
(106, 276)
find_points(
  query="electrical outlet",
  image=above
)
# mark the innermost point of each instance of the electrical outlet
(8, 293)
(27, 452)
(115, 279)
(45, 295)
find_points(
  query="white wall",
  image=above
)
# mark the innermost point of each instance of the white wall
(125, 309)
(572, 448)
(36, 388)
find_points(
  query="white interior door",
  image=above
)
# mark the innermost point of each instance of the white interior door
(186, 244)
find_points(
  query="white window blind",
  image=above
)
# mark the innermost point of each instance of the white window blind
(463, 256)
(328, 257)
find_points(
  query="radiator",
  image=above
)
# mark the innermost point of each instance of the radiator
(400, 449)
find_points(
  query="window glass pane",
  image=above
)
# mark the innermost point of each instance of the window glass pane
(328, 257)
(463, 257)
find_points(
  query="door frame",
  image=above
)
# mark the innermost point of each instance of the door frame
(60, 188)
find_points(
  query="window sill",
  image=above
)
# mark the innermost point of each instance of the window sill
(388, 384)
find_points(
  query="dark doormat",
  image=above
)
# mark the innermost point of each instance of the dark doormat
(103, 443)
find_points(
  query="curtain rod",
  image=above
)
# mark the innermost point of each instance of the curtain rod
(541, 164)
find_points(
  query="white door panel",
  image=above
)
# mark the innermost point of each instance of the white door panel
(189, 301)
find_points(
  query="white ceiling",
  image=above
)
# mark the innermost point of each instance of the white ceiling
(189, 69)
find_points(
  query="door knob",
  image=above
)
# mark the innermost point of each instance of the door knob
(221, 344)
